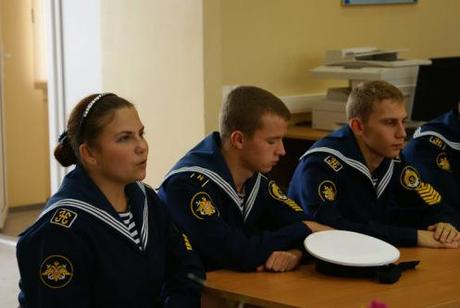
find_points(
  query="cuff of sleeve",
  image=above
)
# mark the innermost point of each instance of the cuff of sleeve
(304, 227)
(408, 238)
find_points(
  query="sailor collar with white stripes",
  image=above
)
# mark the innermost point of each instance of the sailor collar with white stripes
(245, 206)
(431, 133)
(105, 217)
(360, 166)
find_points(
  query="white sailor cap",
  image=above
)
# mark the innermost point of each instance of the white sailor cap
(352, 254)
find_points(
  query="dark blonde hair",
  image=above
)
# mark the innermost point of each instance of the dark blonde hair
(362, 98)
(245, 106)
(86, 122)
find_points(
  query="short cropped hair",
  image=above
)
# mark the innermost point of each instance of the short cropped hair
(362, 98)
(244, 108)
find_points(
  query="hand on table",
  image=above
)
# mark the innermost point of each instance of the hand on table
(282, 261)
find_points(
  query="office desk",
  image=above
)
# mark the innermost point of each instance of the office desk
(434, 283)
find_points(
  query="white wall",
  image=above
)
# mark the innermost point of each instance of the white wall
(82, 49)
(74, 64)
(152, 54)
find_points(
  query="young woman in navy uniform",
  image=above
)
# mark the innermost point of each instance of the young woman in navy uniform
(104, 239)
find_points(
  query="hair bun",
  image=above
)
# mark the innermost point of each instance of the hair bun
(64, 152)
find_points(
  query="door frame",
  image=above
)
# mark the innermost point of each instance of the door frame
(3, 174)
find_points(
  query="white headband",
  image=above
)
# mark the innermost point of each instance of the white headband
(90, 105)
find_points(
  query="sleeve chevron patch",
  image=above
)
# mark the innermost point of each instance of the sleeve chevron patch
(428, 194)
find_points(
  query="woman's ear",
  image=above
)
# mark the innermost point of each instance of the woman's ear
(86, 155)
(237, 139)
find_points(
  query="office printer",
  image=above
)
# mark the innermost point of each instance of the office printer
(357, 65)
(369, 57)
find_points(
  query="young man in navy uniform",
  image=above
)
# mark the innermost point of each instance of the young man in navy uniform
(236, 217)
(435, 151)
(353, 178)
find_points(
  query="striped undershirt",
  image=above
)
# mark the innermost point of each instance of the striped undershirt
(128, 220)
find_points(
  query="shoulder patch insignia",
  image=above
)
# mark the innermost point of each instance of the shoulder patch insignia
(187, 244)
(327, 190)
(202, 206)
(63, 217)
(200, 178)
(56, 271)
(277, 194)
(410, 179)
(333, 163)
(443, 161)
(436, 141)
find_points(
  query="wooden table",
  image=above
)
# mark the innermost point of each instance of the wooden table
(434, 283)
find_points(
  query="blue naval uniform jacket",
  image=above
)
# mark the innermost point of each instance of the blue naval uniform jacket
(435, 151)
(79, 253)
(335, 187)
(228, 230)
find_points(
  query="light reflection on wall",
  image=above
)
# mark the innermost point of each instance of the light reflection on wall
(39, 43)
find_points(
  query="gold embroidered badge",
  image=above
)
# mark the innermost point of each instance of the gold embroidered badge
(278, 194)
(56, 271)
(410, 179)
(63, 217)
(436, 141)
(202, 206)
(327, 190)
(443, 161)
(333, 163)
(187, 244)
